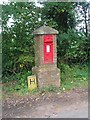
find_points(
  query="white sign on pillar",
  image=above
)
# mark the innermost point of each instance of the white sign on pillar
(48, 48)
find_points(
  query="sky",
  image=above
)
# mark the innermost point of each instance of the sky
(1, 1)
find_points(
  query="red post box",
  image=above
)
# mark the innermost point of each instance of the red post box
(48, 49)
(45, 69)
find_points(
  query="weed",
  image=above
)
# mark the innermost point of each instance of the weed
(51, 88)
(76, 76)
(35, 91)
(72, 77)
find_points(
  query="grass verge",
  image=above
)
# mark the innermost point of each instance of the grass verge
(71, 78)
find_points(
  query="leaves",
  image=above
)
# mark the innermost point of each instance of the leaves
(18, 41)
(60, 12)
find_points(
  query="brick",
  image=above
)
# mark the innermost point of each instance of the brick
(46, 74)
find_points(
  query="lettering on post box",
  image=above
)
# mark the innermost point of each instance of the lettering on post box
(48, 48)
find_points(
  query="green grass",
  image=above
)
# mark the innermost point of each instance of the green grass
(75, 77)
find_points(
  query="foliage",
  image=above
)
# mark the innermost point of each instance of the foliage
(17, 84)
(60, 14)
(71, 43)
(51, 88)
(18, 43)
(74, 77)
(71, 47)
(71, 77)
(18, 53)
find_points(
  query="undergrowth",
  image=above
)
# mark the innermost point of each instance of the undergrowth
(71, 77)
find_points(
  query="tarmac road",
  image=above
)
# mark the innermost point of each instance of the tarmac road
(73, 104)
(79, 112)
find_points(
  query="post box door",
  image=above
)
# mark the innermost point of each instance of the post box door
(48, 52)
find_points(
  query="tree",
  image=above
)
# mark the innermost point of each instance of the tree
(60, 13)
(70, 43)
(18, 50)
(82, 9)
(18, 53)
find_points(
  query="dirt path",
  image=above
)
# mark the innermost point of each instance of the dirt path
(45, 105)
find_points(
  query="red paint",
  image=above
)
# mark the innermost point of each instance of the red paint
(48, 38)
(48, 48)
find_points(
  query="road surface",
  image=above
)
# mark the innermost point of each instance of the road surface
(79, 112)
(73, 104)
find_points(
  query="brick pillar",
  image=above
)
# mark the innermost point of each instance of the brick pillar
(46, 69)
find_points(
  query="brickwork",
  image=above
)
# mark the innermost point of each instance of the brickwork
(39, 50)
(46, 74)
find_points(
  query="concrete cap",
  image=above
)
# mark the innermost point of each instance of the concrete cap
(45, 30)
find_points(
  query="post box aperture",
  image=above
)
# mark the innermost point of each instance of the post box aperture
(48, 49)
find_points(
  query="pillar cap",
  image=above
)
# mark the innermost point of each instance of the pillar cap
(45, 30)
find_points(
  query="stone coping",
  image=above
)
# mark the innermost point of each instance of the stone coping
(45, 30)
